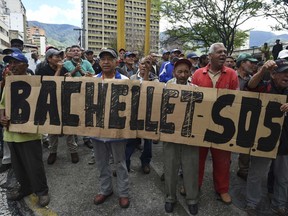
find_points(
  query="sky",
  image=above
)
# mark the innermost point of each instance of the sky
(69, 12)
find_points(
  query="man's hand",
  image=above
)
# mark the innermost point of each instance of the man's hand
(5, 121)
(269, 65)
(88, 74)
(284, 107)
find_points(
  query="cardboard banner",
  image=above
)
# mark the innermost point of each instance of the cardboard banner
(236, 121)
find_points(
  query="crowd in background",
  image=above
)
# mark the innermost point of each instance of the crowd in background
(216, 69)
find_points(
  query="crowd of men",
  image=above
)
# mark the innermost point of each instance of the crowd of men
(23, 152)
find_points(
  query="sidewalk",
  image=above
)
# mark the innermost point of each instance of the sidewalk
(73, 187)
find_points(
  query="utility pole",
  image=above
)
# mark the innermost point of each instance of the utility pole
(121, 36)
(147, 29)
(80, 35)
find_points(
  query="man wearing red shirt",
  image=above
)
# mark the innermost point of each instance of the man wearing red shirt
(216, 75)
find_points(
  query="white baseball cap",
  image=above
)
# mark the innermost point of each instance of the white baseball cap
(283, 54)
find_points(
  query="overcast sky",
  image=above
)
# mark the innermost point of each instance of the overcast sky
(69, 12)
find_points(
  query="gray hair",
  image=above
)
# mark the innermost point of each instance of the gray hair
(212, 47)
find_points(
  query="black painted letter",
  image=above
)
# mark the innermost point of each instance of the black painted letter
(48, 88)
(68, 88)
(92, 108)
(20, 108)
(115, 121)
(228, 124)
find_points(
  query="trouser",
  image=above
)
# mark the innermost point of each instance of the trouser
(259, 167)
(28, 166)
(70, 141)
(280, 168)
(221, 168)
(243, 163)
(103, 151)
(187, 156)
(6, 154)
(146, 154)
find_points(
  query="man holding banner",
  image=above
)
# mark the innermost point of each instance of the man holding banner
(104, 147)
(26, 148)
(216, 75)
(259, 166)
(181, 154)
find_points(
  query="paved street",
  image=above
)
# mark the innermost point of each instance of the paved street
(73, 186)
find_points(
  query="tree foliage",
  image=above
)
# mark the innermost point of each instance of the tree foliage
(208, 21)
(278, 10)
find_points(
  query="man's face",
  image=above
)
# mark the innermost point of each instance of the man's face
(89, 56)
(229, 62)
(129, 60)
(121, 54)
(248, 67)
(280, 79)
(182, 73)
(166, 56)
(55, 59)
(76, 53)
(18, 67)
(218, 57)
(145, 65)
(108, 63)
(194, 61)
(154, 58)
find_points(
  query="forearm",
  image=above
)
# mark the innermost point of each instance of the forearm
(256, 79)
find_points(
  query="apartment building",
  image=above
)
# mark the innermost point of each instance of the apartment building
(99, 24)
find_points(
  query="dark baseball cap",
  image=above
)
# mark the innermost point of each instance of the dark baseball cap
(175, 50)
(52, 51)
(11, 50)
(129, 54)
(89, 52)
(192, 55)
(16, 40)
(183, 61)
(165, 52)
(246, 57)
(15, 56)
(282, 65)
(109, 51)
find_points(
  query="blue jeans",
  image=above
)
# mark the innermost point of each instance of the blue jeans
(146, 154)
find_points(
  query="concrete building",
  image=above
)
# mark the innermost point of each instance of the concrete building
(17, 17)
(37, 36)
(4, 28)
(99, 25)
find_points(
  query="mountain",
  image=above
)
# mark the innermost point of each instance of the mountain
(258, 38)
(59, 35)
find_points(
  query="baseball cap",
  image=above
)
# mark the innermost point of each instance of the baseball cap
(192, 55)
(11, 50)
(110, 51)
(283, 54)
(50, 47)
(165, 52)
(183, 61)
(175, 50)
(129, 54)
(89, 51)
(52, 51)
(16, 40)
(246, 56)
(15, 55)
(282, 65)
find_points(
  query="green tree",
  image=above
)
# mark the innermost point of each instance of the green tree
(208, 21)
